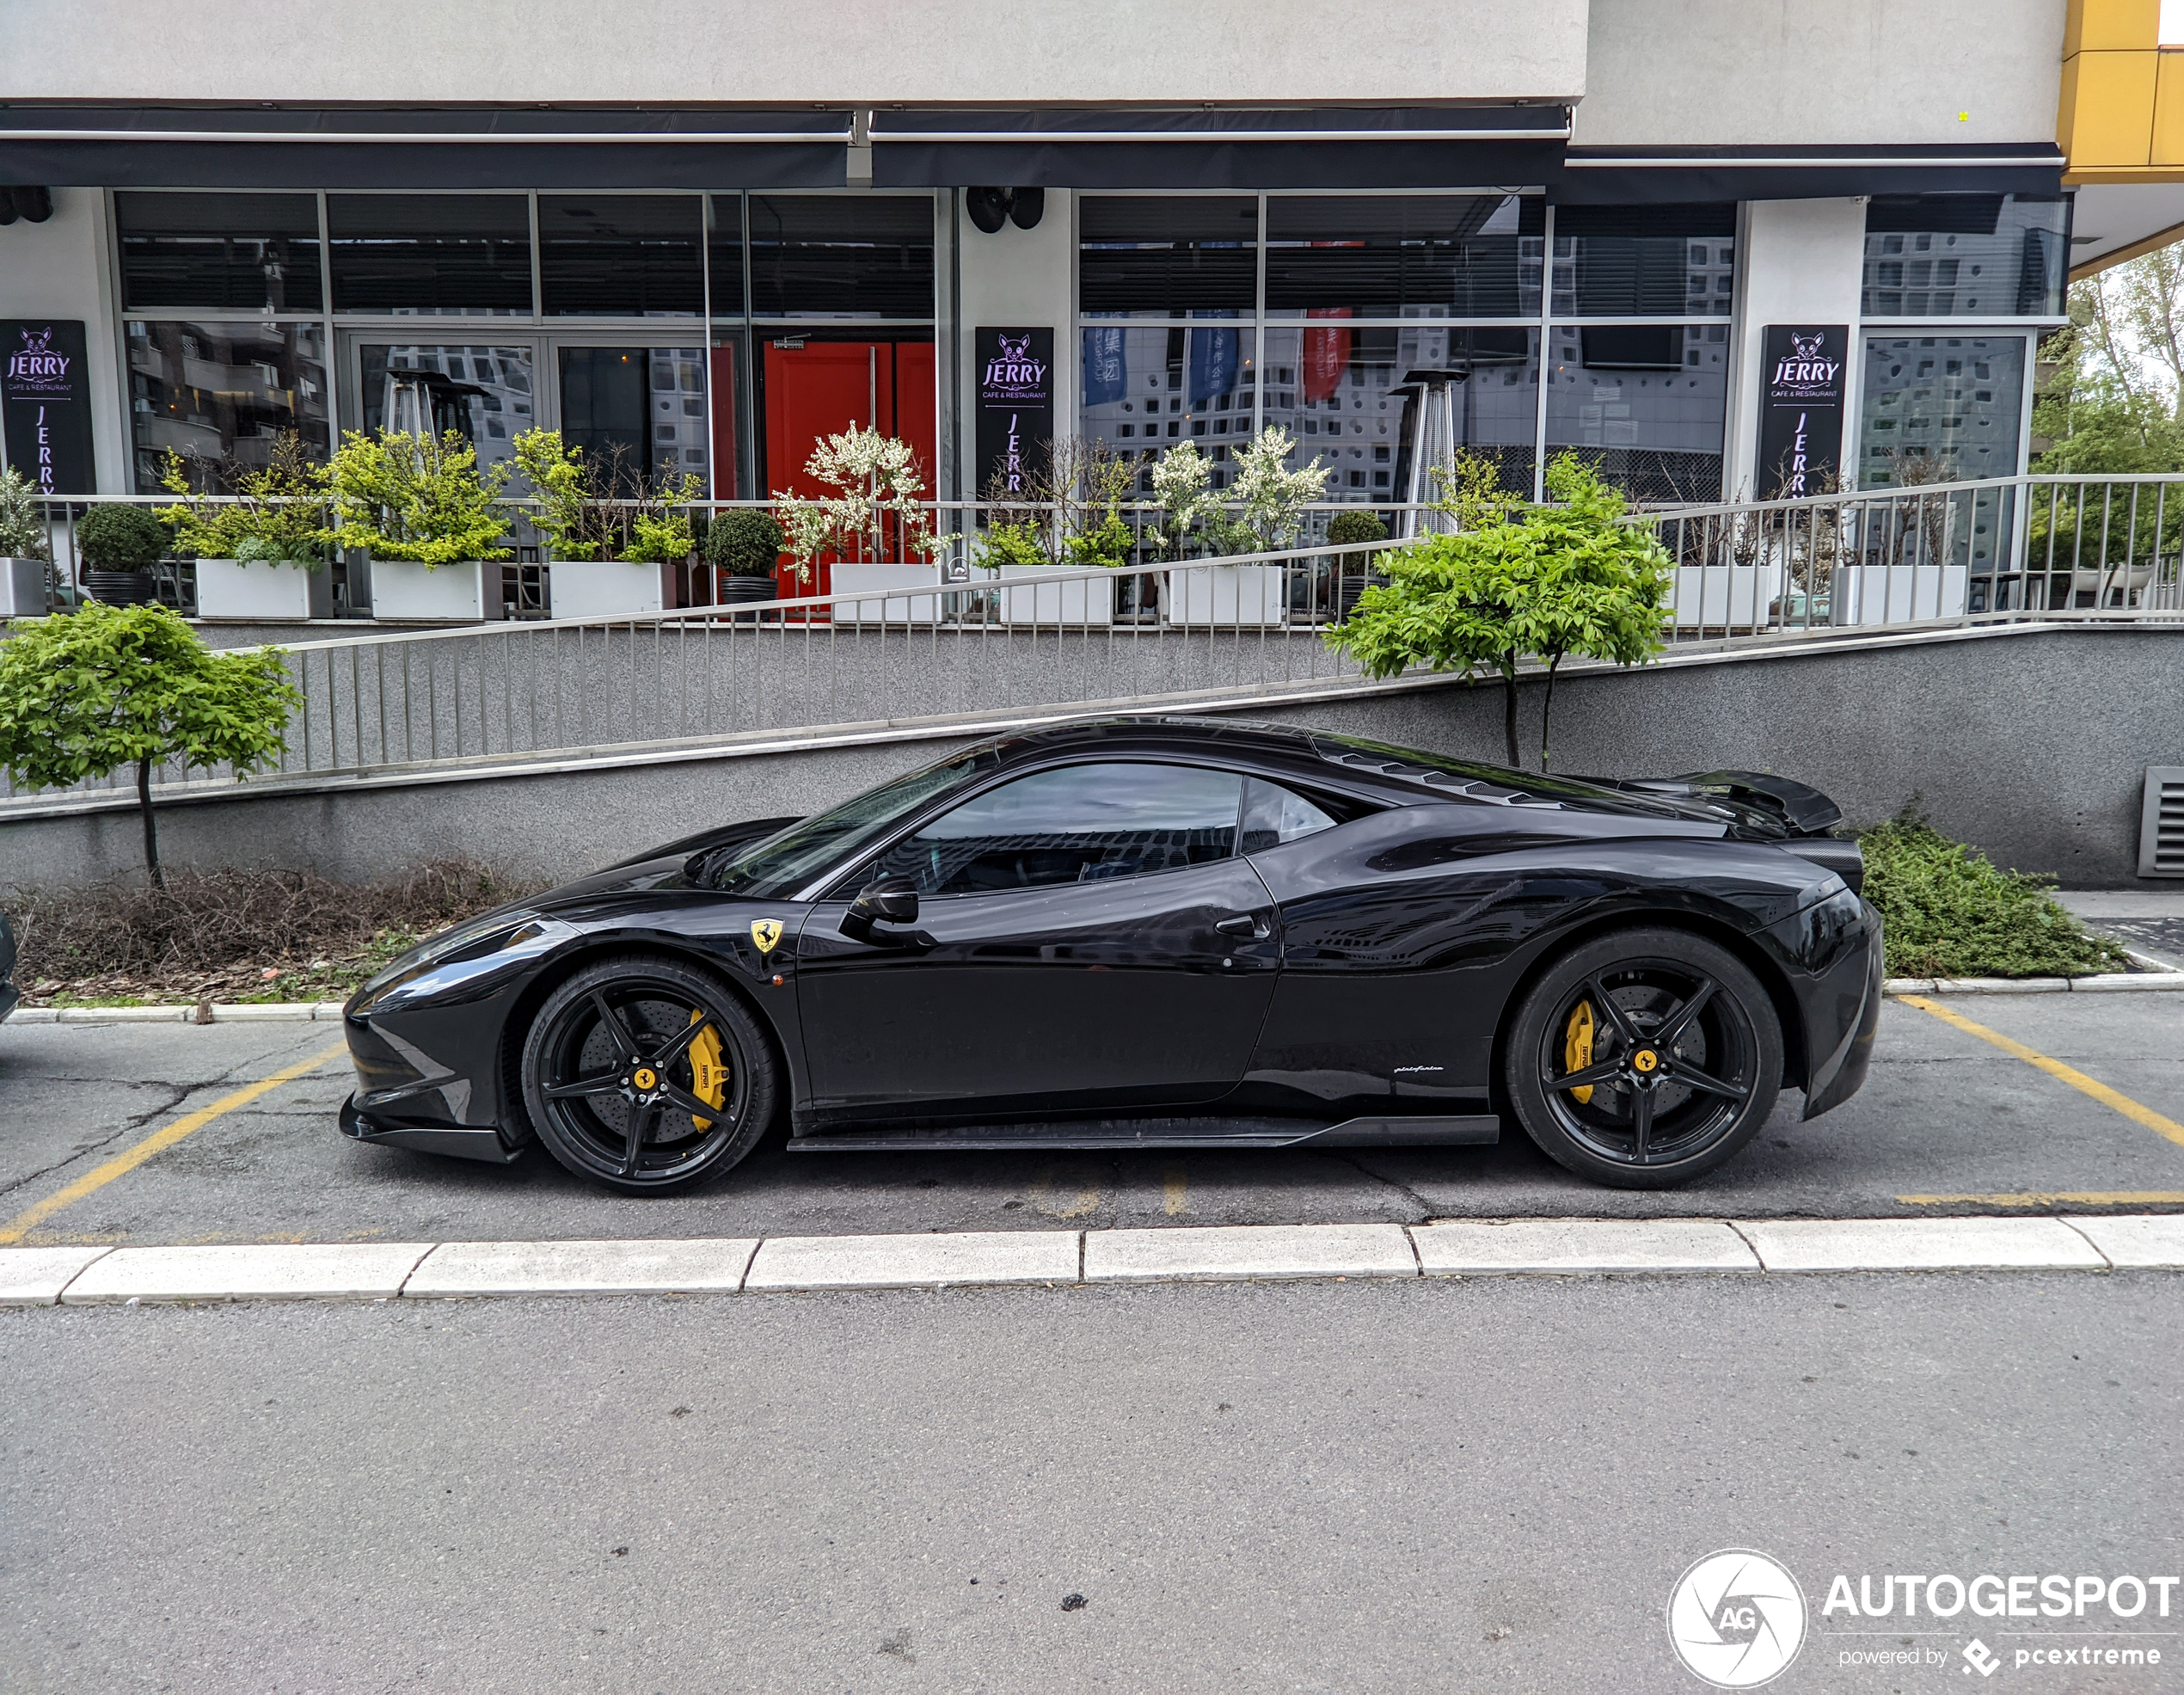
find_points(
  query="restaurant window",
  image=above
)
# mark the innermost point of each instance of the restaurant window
(453, 255)
(243, 253)
(1157, 256)
(1958, 255)
(724, 254)
(1644, 404)
(1644, 261)
(1404, 256)
(621, 256)
(1350, 396)
(847, 256)
(488, 393)
(223, 390)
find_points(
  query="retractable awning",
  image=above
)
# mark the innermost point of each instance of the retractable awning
(1650, 175)
(1320, 147)
(438, 147)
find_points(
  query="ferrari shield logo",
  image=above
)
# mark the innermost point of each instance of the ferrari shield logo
(766, 932)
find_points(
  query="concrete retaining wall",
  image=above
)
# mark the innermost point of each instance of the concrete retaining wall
(2030, 741)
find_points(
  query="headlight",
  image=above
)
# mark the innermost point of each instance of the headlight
(472, 935)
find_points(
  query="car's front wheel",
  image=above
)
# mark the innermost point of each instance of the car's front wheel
(1644, 1058)
(647, 1074)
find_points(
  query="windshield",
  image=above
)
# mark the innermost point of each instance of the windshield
(781, 864)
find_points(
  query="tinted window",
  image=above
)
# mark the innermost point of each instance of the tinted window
(447, 253)
(1401, 255)
(784, 862)
(1644, 261)
(1273, 814)
(1939, 255)
(250, 252)
(841, 255)
(1167, 257)
(725, 268)
(1082, 824)
(620, 256)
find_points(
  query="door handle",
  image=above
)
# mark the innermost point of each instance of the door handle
(1243, 925)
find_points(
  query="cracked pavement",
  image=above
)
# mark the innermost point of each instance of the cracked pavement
(1944, 1113)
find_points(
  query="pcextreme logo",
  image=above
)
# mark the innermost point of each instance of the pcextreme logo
(1736, 1619)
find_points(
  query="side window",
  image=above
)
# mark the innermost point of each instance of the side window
(1079, 825)
(1273, 814)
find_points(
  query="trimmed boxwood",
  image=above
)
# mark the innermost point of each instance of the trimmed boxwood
(120, 538)
(743, 541)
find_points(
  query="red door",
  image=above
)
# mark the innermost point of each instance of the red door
(821, 389)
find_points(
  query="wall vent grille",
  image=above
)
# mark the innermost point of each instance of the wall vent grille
(2161, 824)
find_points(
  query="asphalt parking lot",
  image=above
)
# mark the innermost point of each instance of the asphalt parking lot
(1948, 1123)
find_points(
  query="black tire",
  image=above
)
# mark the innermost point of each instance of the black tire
(695, 1046)
(1601, 1012)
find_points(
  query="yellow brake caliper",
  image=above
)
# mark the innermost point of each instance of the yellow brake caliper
(1577, 1047)
(708, 1071)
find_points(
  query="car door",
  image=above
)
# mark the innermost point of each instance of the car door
(1089, 940)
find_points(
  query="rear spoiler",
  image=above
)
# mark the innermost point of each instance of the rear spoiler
(1806, 810)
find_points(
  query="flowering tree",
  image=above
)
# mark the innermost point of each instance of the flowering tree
(874, 478)
(1181, 484)
(1273, 498)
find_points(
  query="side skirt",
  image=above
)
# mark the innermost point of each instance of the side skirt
(1478, 1131)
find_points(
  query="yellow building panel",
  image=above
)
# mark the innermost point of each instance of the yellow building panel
(2108, 110)
(2111, 26)
(2168, 111)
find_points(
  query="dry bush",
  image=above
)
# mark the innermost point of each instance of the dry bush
(210, 922)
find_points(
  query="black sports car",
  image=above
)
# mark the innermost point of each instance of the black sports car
(1158, 932)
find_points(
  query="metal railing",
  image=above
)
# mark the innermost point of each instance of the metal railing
(896, 645)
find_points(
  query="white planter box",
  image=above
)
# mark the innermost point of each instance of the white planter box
(1737, 597)
(452, 593)
(1226, 596)
(884, 607)
(22, 588)
(606, 588)
(1088, 602)
(1875, 595)
(258, 591)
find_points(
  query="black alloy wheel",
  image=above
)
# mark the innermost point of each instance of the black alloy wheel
(1644, 1058)
(647, 1074)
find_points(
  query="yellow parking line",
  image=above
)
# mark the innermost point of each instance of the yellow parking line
(2063, 1197)
(28, 1219)
(1174, 1189)
(2055, 1068)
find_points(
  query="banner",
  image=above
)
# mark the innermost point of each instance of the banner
(1800, 409)
(1327, 355)
(1016, 407)
(1107, 366)
(46, 403)
(1215, 362)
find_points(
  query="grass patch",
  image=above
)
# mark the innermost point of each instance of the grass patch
(235, 936)
(1951, 911)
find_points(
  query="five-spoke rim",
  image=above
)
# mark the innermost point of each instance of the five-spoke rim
(1649, 1062)
(643, 1080)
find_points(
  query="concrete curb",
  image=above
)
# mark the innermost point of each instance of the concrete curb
(223, 1012)
(1450, 1248)
(2103, 983)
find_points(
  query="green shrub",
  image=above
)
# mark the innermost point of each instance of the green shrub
(24, 534)
(744, 542)
(120, 538)
(1356, 524)
(1951, 911)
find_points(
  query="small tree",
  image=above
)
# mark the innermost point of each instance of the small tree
(874, 478)
(280, 515)
(1516, 581)
(1182, 484)
(84, 694)
(24, 532)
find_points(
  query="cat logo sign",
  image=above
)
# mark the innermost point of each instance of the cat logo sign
(766, 932)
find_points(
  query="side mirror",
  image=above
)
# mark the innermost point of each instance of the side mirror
(890, 900)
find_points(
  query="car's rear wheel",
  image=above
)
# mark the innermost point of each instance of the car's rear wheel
(1644, 1058)
(647, 1074)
